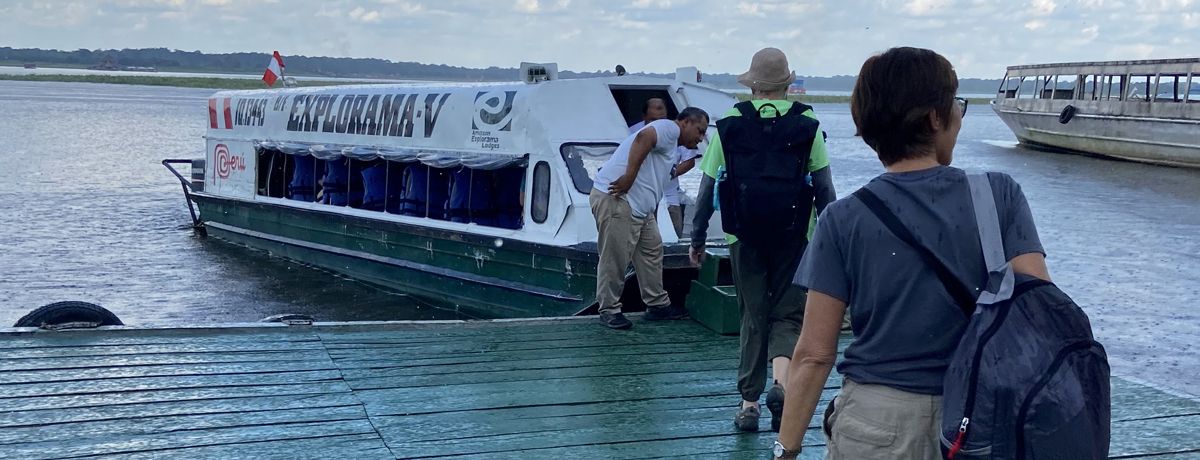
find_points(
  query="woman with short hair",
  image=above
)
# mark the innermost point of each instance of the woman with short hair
(906, 326)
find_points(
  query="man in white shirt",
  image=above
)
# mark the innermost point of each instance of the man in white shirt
(685, 159)
(624, 200)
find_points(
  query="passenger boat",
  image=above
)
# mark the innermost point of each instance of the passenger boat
(472, 196)
(1147, 111)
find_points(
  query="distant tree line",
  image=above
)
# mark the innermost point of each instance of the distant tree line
(177, 60)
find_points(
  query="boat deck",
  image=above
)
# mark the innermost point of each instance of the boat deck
(502, 389)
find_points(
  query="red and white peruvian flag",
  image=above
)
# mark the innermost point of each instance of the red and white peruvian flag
(274, 70)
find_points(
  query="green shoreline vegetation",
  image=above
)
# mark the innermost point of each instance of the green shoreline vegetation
(250, 83)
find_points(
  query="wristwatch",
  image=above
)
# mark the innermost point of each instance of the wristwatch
(783, 452)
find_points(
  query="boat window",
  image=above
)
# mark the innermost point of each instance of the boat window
(540, 207)
(1010, 87)
(1171, 88)
(274, 169)
(1089, 89)
(1064, 87)
(1139, 88)
(1114, 87)
(584, 160)
(1026, 88)
(630, 102)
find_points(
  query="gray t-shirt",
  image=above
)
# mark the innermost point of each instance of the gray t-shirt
(654, 175)
(905, 323)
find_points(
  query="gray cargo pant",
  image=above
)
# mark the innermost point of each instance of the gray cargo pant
(772, 307)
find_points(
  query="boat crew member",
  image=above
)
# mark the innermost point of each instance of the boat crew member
(685, 160)
(624, 199)
(769, 161)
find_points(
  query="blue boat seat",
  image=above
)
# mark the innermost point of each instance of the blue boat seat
(303, 186)
(471, 197)
(509, 185)
(425, 192)
(343, 183)
(382, 186)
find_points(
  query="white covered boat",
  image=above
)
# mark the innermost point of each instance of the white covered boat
(1147, 111)
(467, 195)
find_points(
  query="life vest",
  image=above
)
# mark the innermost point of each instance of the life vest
(382, 184)
(425, 192)
(471, 197)
(343, 183)
(303, 186)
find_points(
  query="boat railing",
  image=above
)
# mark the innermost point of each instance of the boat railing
(187, 189)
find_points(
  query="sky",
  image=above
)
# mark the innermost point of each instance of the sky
(820, 37)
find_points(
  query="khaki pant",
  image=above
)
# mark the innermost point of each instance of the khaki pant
(875, 421)
(676, 212)
(621, 238)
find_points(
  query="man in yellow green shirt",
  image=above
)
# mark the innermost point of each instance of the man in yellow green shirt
(766, 140)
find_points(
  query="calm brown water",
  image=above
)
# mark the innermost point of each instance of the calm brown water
(87, 213)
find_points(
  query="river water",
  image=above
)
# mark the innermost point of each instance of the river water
(88, 213)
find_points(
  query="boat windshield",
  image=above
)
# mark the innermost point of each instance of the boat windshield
(584, 159)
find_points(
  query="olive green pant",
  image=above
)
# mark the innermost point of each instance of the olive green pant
(772, 308)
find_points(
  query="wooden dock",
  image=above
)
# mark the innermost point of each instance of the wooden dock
(504, 389)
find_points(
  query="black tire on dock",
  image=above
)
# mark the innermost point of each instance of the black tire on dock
(1067, 114)
(59, 313)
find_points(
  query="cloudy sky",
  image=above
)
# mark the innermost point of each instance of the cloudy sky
(821, 37)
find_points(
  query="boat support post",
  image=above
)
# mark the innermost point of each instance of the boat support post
(187, 191)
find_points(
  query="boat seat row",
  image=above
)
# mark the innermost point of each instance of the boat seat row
(483, 197)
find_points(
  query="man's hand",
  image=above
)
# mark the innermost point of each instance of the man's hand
(696, 255)
(621, 186)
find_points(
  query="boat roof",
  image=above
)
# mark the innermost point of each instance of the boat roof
(506, 118)
(1106, 63)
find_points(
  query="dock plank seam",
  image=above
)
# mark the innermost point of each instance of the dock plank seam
(354, 394)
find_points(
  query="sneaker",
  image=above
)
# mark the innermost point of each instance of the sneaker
(747, 418)
(615, 321)
(775, 405)
(663, 313)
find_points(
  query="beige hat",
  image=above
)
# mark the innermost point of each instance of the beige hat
(768, 71)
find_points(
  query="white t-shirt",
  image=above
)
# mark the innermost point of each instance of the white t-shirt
(674, 193)
(654, 175)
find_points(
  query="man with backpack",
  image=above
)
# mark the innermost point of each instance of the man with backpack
(958, 333)
(770, 168)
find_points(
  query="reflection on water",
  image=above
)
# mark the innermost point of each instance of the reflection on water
(87, 213)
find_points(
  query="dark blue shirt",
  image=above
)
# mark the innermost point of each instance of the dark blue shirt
(905, 324)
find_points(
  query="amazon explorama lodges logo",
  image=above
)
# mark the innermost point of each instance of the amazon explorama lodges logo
(491, 119)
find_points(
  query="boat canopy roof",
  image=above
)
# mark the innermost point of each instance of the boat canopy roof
(1151, 66)
(479, 125)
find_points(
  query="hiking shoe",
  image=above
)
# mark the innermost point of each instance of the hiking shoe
(747, 418)
(775, 405)
(615, 321)
(664, 313)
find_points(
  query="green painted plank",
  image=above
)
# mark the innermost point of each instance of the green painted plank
(564, 346)
(134, 337)
(353, 446)
(165, 395)
(157, 349)
(160, 425)
(61, 416)
(159, 370)
(533, 427)
(1159, 435)
(160, 359)
(127, 384)
(184, 439)
(368, 360)
(592, 334)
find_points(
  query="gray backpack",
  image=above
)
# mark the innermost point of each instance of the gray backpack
(1027, 380)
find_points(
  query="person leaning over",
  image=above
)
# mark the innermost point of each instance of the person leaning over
(624, 201)
(685, 159)
(772, 176)
(905, 324)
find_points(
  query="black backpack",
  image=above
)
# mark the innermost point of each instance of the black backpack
(1027, 380)
(765, 190)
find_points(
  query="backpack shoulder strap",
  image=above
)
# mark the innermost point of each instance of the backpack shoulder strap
(959, 291)
(747, 109)
(1001, 279)
(799, 108)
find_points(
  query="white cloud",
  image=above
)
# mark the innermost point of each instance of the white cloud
(363, 15)
(1035, 24)
(657, 4)
(1042, 7)
(528, 6)
(924, 7)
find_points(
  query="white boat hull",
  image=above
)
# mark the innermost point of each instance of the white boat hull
(1173, 142)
